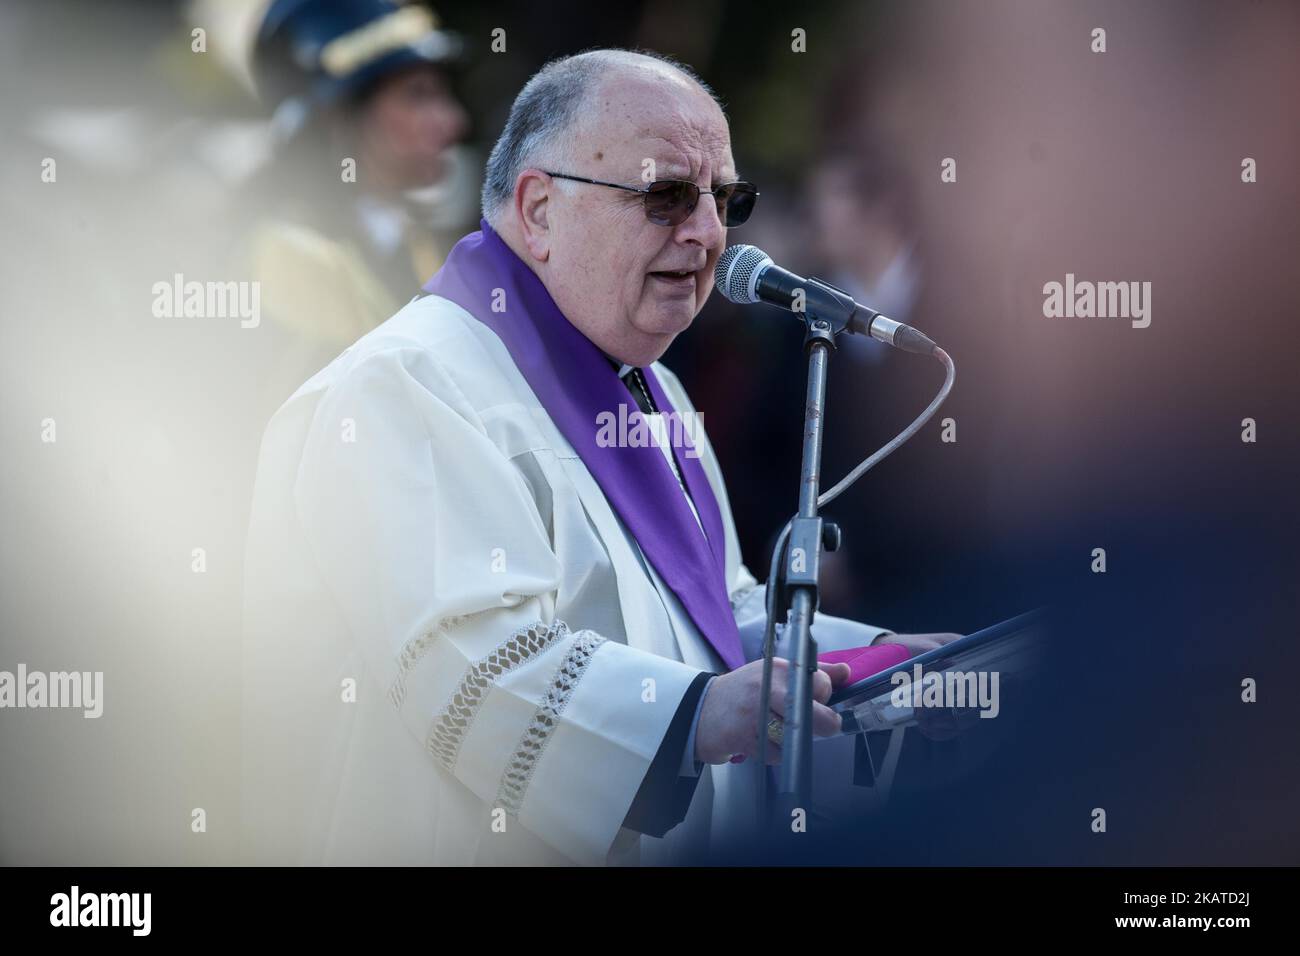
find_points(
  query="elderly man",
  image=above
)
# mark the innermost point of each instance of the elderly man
(477, 630)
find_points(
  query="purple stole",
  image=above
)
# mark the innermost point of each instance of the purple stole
(575, 383)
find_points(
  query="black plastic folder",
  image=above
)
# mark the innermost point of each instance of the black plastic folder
(1007, 645)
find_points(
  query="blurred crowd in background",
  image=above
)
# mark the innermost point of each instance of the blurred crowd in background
(224, 165)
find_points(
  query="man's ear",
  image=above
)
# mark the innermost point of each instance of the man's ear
(532, 205)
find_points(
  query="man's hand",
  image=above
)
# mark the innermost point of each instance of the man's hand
(917, 643)
(729, 716)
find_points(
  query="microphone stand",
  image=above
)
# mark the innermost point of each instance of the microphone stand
(792, 582)
(796, 565)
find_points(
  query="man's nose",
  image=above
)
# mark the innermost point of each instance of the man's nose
(704, 225)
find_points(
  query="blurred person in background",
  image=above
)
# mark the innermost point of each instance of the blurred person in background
(348, 214)
(865, 236)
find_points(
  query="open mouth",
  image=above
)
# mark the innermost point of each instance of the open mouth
(682, 277)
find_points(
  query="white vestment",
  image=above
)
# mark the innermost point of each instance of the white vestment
(455, 653)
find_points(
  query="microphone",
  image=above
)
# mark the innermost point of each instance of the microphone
(747, 274)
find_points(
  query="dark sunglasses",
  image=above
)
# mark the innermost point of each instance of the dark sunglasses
(670, 202)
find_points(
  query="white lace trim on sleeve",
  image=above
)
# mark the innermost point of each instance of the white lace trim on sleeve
(451, 725)
(416, 648)
(514, 784)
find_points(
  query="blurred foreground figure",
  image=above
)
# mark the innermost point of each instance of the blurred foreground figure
(364, 122)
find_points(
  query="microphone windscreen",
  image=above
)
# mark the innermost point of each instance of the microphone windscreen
(735, 272)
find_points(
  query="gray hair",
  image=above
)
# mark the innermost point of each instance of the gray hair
(547, 107)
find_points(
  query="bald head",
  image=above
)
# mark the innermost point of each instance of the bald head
(544, 115)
